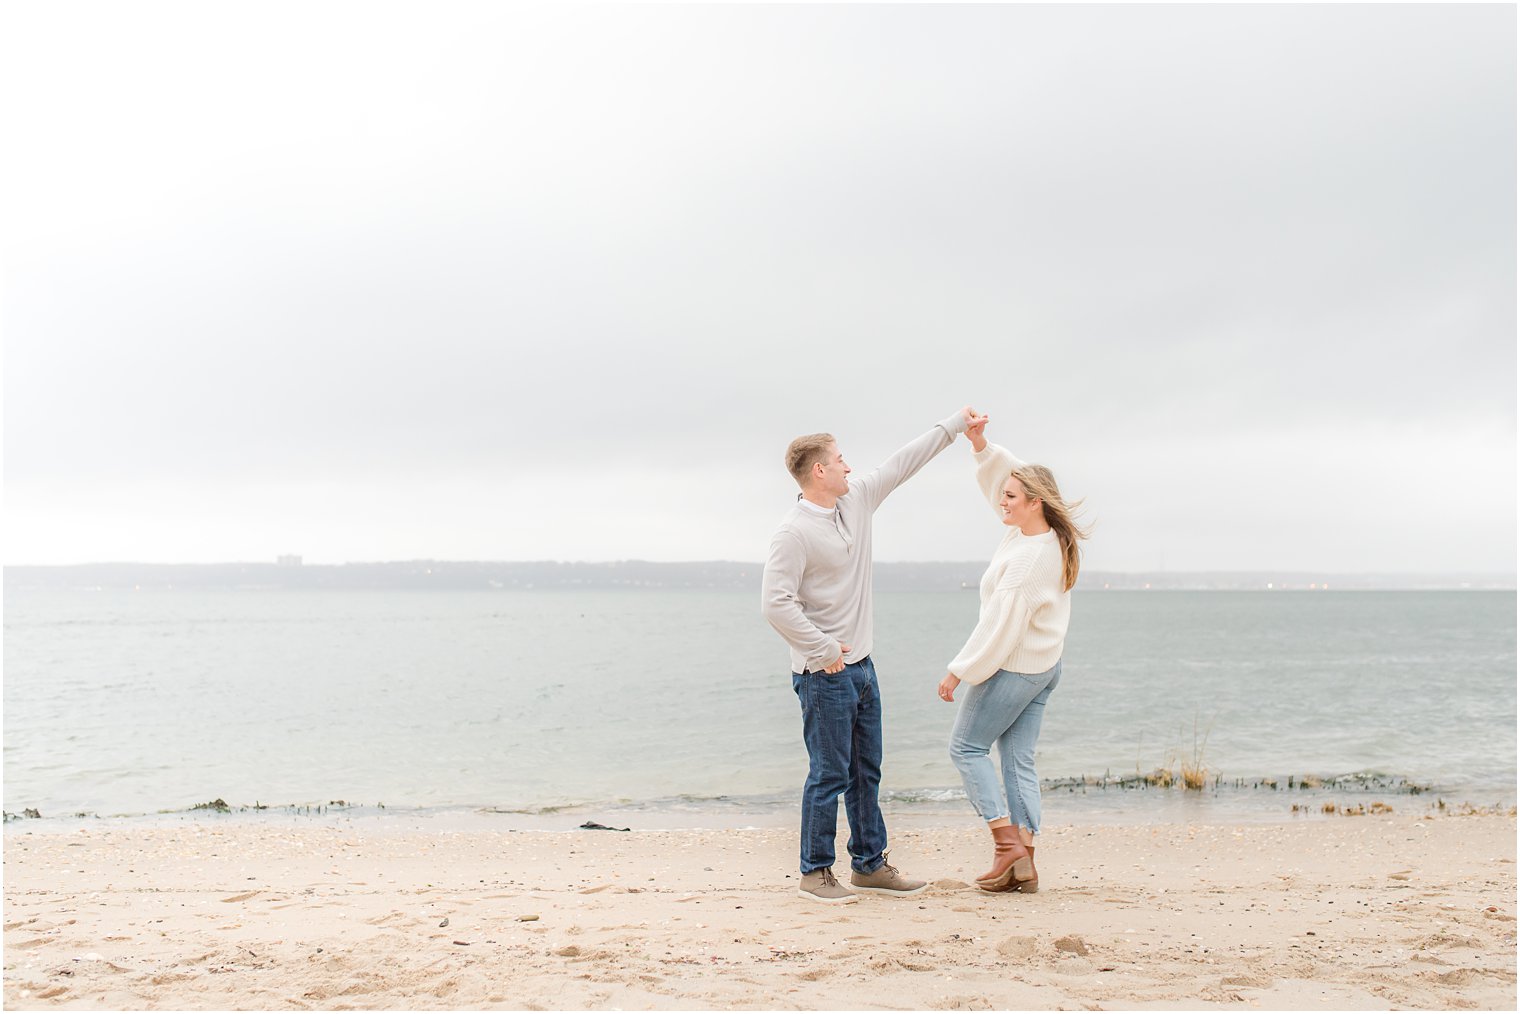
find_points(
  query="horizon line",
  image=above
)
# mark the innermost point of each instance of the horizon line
(300, 563)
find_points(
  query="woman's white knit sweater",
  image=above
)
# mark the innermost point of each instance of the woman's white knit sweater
(1025, 606)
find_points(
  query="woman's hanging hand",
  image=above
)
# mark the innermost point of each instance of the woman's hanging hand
(947, 686)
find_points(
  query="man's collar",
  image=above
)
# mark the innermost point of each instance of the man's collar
(813, 508)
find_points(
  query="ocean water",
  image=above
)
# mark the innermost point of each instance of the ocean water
(126, 703)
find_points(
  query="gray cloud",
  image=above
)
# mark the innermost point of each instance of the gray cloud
(397, 284)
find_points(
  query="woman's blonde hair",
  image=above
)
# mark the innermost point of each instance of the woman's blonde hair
(1039, 484)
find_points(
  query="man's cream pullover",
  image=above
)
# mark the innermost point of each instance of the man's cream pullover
(816, 590)
(1025, 606)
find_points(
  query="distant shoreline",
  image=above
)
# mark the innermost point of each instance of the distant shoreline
(641, 575)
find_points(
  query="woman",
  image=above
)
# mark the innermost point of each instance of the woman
(1013, 658)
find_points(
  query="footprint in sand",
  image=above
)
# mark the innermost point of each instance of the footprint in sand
(381, 920)
(1448, 941)
(1456, 977)
(914, 964)
(241, 897)
(961, 1003)
(1019, 947)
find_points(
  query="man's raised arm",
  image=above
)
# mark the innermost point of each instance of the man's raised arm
(904, 464)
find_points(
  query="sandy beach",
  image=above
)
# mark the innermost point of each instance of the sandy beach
(1347, 912)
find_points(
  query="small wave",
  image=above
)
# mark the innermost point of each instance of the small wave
(533, 811)
(911, 796)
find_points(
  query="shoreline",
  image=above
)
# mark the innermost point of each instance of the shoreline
(1102, 805)
(1373, 912)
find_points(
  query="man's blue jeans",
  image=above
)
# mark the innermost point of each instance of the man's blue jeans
(841, 725)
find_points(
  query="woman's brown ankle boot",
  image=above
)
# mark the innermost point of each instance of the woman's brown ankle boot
(1010, 861)
(1032, 884)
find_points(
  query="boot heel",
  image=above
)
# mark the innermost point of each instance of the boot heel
(1023, 869)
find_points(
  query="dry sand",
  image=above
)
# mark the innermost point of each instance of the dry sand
(1344, 912)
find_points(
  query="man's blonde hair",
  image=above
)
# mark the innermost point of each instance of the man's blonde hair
(805, 452)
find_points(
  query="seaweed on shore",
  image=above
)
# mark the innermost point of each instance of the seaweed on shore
(220, 805)
(1167, 778)
(1188, 770)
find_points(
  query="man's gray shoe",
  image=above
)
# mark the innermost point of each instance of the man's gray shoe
(820, 885)
(886, 880)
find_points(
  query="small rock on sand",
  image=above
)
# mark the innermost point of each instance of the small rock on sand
(1072, 945)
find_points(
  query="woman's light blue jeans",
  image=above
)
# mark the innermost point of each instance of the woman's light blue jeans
(1006, 709)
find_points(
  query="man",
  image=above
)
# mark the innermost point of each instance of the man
(817, 594)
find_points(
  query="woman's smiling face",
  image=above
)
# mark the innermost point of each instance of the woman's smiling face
(1018, 508)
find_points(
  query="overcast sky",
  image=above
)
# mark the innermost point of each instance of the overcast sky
(457, 281)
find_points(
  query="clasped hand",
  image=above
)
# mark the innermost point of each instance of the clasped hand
(976, 429)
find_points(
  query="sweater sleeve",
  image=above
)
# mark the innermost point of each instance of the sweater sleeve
(1002, 623)
(993, 466)
(783, 611)
(906, 462)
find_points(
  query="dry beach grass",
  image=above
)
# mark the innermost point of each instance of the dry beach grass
(1374, 911)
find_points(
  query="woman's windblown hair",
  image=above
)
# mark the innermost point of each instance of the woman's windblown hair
(1040, 484)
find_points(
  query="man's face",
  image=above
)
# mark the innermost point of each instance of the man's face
(833, 474)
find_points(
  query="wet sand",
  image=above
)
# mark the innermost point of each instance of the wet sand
(1343, 912)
